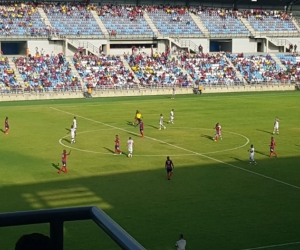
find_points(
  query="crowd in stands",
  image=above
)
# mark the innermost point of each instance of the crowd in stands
(22, 19)
(72, 19)
(46, 73)
(172, 20)
(157, 70)
(209, 68)
(77, 18)
(103, 71)
(122, 19)
(8, 81)
(258, 68)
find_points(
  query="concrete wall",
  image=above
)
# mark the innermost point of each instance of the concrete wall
(48, 46)
(203, 41)
(144, 92)
(245, 45)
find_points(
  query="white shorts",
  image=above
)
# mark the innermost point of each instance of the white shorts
(171, 118)
(251, 158)
(276, 127)
(72, 136)
(161, 123)
(130, 150)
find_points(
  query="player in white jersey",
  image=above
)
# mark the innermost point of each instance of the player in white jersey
(172, 116)
(161, 122)
(75, 124)
(130, 147)
(73, 132)
(251, 158)
(276, 126)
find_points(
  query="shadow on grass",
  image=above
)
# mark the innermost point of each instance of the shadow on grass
(153, 126)
(56, 166)
(267, 132)
(240, 160)
(261, 153)
(130, 123)
(109, 150)
(1, 130)
(68, 129)
(207, 137)
(132, 196)
(66, 140)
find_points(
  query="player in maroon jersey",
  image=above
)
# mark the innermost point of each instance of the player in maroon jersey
(272, 147)
(141, 123)
(117, 145)
(6, 125)
(64, 161)
(169, 166)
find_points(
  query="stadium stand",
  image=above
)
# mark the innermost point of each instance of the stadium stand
(173, 21)
(103, 72)
(257, 68)
(46, 73)
(209, 69)
(22, 19)
(158, 70)
(269, 21)
(124, 20)
(221, 21)
(72, 19)
(8, 81)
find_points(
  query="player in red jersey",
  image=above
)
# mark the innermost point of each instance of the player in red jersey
(141, 128)
(272, 147)
(169, 166)
(6, 125)
(117, 146)
(64, 161)
(218, 132)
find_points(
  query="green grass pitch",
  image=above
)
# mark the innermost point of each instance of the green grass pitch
(215, 198)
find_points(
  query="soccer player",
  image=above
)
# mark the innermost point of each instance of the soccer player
(251, 158)
(141, 128)
(117, 146)
(161, 122)
(276, 126)
(272, 147)
(218, 132)
(64, 162)
(75, 124)
(73, 134)
(173, 93)
(169, 166)
(172, 116)
(130, 146)
(6, 125)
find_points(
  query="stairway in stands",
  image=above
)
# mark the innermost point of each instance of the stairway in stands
(12, 65)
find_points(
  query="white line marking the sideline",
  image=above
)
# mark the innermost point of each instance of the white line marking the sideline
(184, 149)
(273, 246)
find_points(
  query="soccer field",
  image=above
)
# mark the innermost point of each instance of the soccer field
(215, 198)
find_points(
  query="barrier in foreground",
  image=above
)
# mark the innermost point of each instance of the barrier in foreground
(57, 217)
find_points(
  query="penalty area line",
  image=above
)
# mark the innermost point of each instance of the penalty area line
(273, 246)
(184, 149)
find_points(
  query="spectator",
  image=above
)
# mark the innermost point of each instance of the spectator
(295, 48)
(34, 241)
(181, 243)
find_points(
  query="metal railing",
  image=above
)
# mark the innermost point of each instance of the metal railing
(57, 217)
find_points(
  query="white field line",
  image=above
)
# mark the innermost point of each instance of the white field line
(273, 246)
(97, 152)
(184, 149)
